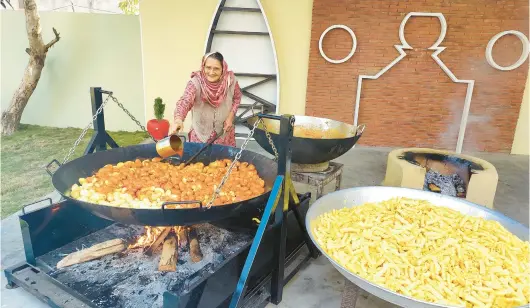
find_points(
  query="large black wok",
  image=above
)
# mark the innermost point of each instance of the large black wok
(338, 138)
(68, 174)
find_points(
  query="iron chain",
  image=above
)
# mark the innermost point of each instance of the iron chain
(229, 171)
(98, 111)
(270, 139)
(83, 133)
(131, 116)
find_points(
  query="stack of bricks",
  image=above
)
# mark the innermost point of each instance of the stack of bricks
(415, 104)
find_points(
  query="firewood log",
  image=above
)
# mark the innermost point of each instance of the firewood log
(434, 188)
(149, 251)
(183, 237)
(168, 259)
(195, 248)
(94, 252)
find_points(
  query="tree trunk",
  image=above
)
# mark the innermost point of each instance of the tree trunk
(37, 56)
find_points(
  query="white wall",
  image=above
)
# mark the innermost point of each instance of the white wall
(95, 50)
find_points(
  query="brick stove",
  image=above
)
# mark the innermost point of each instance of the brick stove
(445, 172)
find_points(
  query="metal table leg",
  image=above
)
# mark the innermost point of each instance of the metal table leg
(350, 294)
(338, 181)
(320, 190)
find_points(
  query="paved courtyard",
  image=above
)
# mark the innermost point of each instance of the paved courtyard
(319, 284)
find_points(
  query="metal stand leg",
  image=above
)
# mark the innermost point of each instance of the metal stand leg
(350, 294)
(101, 138)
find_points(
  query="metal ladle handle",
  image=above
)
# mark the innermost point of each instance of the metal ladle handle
(217, 136)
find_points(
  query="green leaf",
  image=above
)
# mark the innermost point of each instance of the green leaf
(130, 7)
(159, 107)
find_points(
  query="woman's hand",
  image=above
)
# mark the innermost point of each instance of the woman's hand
(229, 123)
(176, 127)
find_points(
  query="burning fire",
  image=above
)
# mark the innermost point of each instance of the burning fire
(152, 234)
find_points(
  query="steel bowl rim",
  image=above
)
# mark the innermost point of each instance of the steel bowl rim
(337, 265)
(350, 126)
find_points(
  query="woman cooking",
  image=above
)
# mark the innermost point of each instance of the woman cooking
(213, 96)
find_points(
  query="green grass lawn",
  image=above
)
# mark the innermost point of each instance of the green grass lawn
(30, 149)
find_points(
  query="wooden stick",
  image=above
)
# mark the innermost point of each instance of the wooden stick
(168, 259)
(157, 242)
(94, 252)
(195, 248)
(183, 237)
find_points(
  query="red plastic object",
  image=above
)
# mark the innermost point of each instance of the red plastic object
(159, 129)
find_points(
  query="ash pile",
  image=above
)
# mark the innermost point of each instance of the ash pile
(451, 185)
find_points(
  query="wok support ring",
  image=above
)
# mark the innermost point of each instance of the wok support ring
(278, 202)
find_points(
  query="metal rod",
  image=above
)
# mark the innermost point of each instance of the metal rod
(271, 203)
(208, 144)
(313, 252)
(99, 122)
(269, 116)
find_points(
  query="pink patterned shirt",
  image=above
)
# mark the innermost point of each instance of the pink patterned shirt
(185, 103)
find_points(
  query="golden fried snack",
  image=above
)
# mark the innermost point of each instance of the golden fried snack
(149, 183)
(429, 253)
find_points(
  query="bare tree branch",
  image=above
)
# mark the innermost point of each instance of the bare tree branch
(55, 40)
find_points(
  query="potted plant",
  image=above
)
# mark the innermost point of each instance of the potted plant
(159, 127)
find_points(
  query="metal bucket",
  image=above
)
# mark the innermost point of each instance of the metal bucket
(170, 146)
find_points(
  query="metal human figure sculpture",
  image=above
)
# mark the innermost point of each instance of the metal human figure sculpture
(436, 51)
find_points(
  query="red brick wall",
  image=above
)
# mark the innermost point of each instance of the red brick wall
(415, 104)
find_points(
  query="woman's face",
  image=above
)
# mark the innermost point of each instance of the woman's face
(213, 69)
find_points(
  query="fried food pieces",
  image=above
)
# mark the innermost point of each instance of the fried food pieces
(429, 253)
(149, 183)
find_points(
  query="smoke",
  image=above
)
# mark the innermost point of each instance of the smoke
(484, 105)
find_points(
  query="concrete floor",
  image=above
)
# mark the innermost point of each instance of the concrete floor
(319, 284)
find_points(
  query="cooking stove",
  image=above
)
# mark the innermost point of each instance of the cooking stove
(131, 278)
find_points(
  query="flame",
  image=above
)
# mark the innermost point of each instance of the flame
(151, 234)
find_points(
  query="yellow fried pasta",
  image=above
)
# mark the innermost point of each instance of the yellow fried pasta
(429, 253)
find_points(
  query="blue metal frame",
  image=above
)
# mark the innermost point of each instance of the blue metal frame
(282, 190)
(271, 204)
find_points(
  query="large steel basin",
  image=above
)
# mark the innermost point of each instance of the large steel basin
(357, 196)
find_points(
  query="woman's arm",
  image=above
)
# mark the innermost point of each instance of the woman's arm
(185, 103)
(236, 98)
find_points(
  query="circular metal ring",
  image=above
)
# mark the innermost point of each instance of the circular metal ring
(524, 54)
(354, 46)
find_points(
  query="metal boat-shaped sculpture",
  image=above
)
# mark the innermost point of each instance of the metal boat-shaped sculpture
(240, 31)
